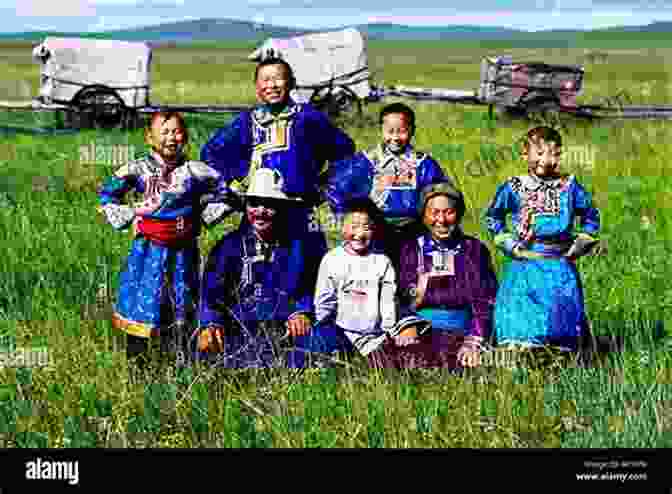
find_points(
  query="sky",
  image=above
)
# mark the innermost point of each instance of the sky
(527, 15)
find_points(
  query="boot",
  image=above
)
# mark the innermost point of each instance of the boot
(136, 354)
(180, 344)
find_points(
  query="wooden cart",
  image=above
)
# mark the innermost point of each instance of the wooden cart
(106, 83)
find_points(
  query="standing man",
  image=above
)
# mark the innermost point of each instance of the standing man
(294, 139)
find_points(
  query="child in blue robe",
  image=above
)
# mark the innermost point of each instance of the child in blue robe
(540, 301)
(158, 289)
(392, 175)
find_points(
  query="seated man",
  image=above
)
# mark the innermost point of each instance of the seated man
(258, 285)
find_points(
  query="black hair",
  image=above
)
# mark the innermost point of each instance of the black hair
(364, 206)
(276, 61)
(399, 108)
(548, 134)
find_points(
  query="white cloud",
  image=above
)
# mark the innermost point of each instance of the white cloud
(139, 3)
(83, 15)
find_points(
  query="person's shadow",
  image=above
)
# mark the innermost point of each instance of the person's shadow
(595, 350)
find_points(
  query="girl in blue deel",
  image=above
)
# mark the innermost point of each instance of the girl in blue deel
(540, 300)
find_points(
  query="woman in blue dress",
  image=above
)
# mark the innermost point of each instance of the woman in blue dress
(540, 300)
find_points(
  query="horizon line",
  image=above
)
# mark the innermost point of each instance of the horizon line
(325, 28)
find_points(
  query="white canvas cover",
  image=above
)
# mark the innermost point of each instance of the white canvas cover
(317, 58)
(69, 64)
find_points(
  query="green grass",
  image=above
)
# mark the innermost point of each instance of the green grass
(57, 253)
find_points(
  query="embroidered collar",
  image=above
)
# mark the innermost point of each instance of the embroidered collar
(166, 168)
(263, 115)
(454, 243)
(532, 182)
(382, 157)
(260, 247)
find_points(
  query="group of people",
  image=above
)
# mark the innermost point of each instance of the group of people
(404, 287)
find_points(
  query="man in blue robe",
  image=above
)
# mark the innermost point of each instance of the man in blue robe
(294, 139)
(258, 287)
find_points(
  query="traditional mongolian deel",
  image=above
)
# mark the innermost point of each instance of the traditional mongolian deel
(357, 294)
(296, 142)
(392, 181)
(456, 299)
(160, 283)
(248, 282)
(541, 300)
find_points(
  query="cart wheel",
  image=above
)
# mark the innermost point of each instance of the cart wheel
(321, 98)
(545, 111)
(538, 101)
(336, 103)
(133, 120)
(347, 102)
(98, 107)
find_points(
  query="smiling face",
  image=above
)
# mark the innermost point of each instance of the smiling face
(262, 215)
(543, 158)
(440, 217)
(273, 84)
(167, 138)
(357, 232)
(397, 131)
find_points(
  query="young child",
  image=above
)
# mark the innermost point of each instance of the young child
(392, 175)
(356, 288)
(540, 300)
(158, 289)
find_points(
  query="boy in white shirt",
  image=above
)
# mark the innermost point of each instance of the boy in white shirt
(356, 287)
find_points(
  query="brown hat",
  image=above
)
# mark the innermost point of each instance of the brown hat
(442, 189)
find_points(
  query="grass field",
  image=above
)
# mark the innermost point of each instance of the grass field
(58, 253)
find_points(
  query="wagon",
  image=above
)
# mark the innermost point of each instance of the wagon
(102, 82)
(529, 87)
(99, 83)
(107, 83)
(332, 72)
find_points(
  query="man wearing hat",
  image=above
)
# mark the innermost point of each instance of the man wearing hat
(447, 288)
(258, 284)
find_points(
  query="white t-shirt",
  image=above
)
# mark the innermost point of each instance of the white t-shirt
(358, 292)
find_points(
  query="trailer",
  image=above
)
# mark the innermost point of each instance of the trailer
(107, 83)
(102, 84)
(332, 73)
